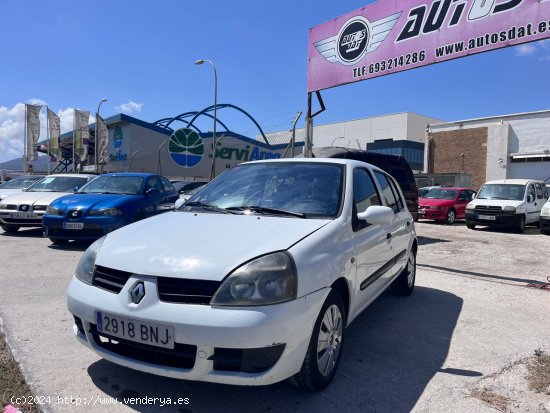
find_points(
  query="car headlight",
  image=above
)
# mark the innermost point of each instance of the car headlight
(266, 280)
(85, 268)
(470, 207)
(510, 209)
(105, 212)
(51, 210)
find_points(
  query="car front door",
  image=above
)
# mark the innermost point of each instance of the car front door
(154, 195)
(372, 246)
(461, 202)
(532, 213)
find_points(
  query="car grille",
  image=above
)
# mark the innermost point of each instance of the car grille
(110, 279)
(18, 221)
(39, 207)
(54, 231)
(488, 209)
(185, 291)
(182, 356)
(12, 207)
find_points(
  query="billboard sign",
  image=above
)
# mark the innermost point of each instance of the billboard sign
(391, 36)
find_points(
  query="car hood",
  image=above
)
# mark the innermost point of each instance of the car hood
(95, 201)
(434, 202)
(5, 192)
(199, 245)
(33, 198)
(496, 202)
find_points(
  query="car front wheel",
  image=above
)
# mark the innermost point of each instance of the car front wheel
(451, 217)
(325, 346)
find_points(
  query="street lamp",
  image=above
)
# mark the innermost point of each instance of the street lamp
(213, 170)
(334, 140)
(96, 146)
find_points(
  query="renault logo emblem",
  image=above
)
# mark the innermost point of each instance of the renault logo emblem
(137, 292)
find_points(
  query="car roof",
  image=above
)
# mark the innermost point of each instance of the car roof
(514, 181)
(454, 188)
(71, 175)
(335, 161)
(140, 174)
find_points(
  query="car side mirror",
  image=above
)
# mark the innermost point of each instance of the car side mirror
(152, 191)
(530, 198)
(75, 189)
(179, 203)
(377, 214)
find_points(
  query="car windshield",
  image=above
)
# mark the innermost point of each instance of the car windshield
(441, 194)
(305, 190)
(501, 191)
(108, 184)
(20, 183)
(58, 184)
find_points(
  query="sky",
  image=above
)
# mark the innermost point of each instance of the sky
(140, 56)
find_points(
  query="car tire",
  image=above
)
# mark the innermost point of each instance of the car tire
(451, 217)
(58, 241)
(520, 225)
(10, 228)
(315, 374)
(471, 226)
(545, 232)
(404, 283)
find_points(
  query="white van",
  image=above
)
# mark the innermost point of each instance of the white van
(511, 203)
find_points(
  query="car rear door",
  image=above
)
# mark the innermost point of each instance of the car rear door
(399, 231)
(154, 197)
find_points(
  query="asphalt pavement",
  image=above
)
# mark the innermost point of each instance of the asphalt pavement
(472, 316)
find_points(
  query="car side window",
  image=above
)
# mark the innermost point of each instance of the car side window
(364, 196)
(168, 187)
(540, 194)
(531, 191)
(153, 182)
(465, 196)
(389, 192)
(364, 191)
(401, 176)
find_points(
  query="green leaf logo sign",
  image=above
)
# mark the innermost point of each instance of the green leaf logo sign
(186, 147)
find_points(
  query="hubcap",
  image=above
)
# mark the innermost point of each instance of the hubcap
(451, 217)
(329, 340)
(411, 269)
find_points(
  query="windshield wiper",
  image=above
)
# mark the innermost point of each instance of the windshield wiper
(266, 210)
(208, 206)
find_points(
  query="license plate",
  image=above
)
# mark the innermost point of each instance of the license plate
(486, 217)
(421, 212)
(23, 215)
(73, 225)
(158, 335)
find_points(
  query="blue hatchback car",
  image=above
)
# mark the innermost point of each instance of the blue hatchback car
(108, 202)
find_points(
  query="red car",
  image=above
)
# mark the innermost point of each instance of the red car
(445, 204)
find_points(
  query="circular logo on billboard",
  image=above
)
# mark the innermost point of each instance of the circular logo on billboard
(186, 147)
(353, 40)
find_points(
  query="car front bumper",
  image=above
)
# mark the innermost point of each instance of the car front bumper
(93, 227)
(434, 214)
(206, 332)
(8, 217)
(502, 219)
(544, 223)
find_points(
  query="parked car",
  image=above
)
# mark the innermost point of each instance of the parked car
(254, 279)
(545, 218)
(445, 204)
(397, 166)
(425, 189)
(510, 203)
(187, 195)
(185, 187)
(109, 202)
(18, 184)
(27, 208)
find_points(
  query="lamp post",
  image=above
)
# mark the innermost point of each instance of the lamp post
(213, 170)
(95, 145)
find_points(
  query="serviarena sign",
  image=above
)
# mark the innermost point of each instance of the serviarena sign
(392, 36)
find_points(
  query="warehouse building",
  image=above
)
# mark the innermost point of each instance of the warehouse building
(498, 147)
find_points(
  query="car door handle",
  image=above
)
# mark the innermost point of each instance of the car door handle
(389, 235)
(408, 223)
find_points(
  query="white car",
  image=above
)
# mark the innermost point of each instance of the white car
(26, 208)
(507, 203)
(18, 184)
(254, 279)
